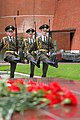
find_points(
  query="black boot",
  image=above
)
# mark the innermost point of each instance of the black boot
(35, 63)
(38, 63)
(54, 64)
(43, 75)
(16, 60)
(31, 75)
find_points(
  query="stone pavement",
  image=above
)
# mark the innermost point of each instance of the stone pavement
(5, 74)
(6, 63)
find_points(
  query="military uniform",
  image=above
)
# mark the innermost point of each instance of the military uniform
(30, 56)
(8, 47)
(44, 45)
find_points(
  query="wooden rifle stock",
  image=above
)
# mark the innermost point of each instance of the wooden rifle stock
(16, 35)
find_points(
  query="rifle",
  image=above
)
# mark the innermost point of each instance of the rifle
(48, 36)
(16, 35)
(35, 28)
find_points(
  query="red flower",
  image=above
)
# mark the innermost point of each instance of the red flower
(53, 99)
(16, 81)
(14, 88)
(53, 91)
(42, 86)
(71, 97)
(31, 82)
(54, 87)
(19, 80)
(10, 81)
(14, 85)
(31, 88)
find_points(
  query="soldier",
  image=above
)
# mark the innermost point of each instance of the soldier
(8, 47)
(42, 45)
(30, 56)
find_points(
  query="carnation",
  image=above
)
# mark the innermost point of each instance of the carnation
(17, 95)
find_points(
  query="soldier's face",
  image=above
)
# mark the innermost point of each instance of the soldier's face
(26, 35)
(9, 33)
(30, 35)
(44, 33)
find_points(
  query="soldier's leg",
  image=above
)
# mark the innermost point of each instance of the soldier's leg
(52, 57)
(32, 59)
(49, 61)
(32, 66)
(21, 54)
(9, 57)
(12, 69)
(44, 69)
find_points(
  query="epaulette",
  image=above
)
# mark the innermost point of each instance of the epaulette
(4, 40)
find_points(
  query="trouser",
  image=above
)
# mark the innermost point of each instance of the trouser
(31, 58)
(46, 60)
(9, 57)
(12, 69)
(32, 66)
(44, 69)
(21, 54)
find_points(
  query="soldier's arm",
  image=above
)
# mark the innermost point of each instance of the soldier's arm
(20, 45)
(20, 48)
(20, 41)
(51, 46)
(33, 47)
(1, 44)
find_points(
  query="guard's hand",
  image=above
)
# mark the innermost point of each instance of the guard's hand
(49, 53)
(16, 53)
(27, 52)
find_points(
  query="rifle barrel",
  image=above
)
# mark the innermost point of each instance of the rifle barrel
(16, 35)
(35, 29)
(49, 36)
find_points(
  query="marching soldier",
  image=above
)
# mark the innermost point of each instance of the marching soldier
(42, 45)
(8, 47)
(30, 56)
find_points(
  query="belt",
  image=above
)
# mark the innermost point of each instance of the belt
(43, 50)
(10, 51)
